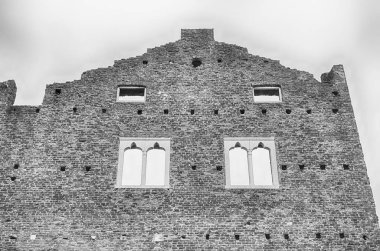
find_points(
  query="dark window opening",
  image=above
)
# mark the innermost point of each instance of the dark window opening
(16, 166)
(284, 167)
(58, 91)
(207, 236)
(219, 60)
(196, 62)
(192, 112)
(13, 178)
(145, 61)
(37, 110)
(288, 111)
(219, 168)
(335, 93)
(264, 111)
(346, 167)
(242, 111)
(322, 166)
(267, 236)
(237, 237)
(318, 235)
(88, 168)
(286, 236)
(365, 237)
(302, 167)
(216, 112)
(335, 110)
(166, 111)
(341, 235)
(63, 168)
(194, 167)
(139, 112)
(132, 91)
(104, 110)
(75, 110)
(267, 92)
(308, 111)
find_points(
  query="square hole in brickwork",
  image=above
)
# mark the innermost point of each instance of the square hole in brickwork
(166, 111)
(286, 236)
(216, 112)
(196, 62)
(104, 110)
(16, 166)
(207, 236)
(242, 111)
(75, 110)
(219, 168)
(145, 61)
(13, 178)
(335, 110)
(139, 112)
(335, 93)
(346, 167)
(302, 167)
(87, 168)
(183, 236)
(58, 91)
(284, 167)
(194, 167)
(264, 111)
(322, 166)
(62, 168)
(37, 110)
(237, 237)
(13, 237)
(318, 235)
(267, 236)
(341, 235)
(308, 111)
(365, 237)
(192, 112)
(288, 111)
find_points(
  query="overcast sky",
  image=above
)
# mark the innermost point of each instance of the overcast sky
(47, 41)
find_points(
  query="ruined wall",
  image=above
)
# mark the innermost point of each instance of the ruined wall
(46, 190)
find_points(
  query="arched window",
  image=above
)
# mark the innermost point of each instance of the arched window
(239, 174)
(155, 167)
(144, 163)
(132, 167)
(262, 171)
(251, 163)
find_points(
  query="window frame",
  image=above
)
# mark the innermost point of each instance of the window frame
(131, 87)
(251, 143)
(267, 88)
(145, 144)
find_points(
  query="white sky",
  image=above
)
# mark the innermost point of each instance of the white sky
(46, 41)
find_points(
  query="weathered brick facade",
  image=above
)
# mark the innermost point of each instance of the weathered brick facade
(45, 189)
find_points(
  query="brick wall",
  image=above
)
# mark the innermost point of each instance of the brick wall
(65, 208)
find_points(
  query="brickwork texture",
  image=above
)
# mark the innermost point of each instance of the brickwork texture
(58, 165)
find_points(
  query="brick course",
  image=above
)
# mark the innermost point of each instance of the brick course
(65, 208)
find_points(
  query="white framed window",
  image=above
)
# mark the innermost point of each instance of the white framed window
(267, 94)
(143, 163)
(131, 94)
(251, 163)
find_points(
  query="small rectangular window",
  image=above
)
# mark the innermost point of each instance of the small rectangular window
(131, 94)
(250, 163)
(143, 163)
(267, 94)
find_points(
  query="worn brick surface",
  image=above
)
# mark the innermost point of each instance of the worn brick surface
(65, 208)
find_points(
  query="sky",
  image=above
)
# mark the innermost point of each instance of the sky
(47, 41)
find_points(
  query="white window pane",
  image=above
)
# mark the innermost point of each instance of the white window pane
(262, 172)
(132, 167)
(239, 174)
(155, 167)
(266, 98)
